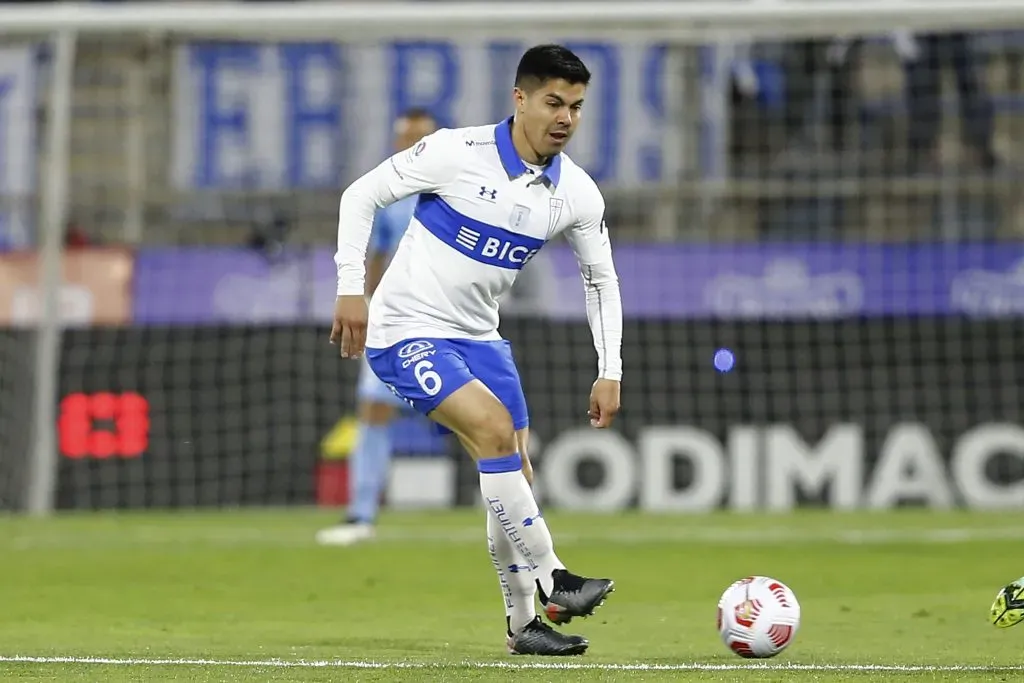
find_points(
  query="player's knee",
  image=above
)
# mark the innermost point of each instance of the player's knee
(494, 434)
(500, 437)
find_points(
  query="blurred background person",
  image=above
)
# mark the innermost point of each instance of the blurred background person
(368, 469)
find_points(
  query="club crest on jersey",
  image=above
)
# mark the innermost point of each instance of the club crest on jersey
(554, 213)
(519, 217)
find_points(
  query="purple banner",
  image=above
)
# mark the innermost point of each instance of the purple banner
(236, 285)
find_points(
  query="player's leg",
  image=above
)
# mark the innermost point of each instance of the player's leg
(564, 595)
(526, 634)
(434, 376)
(518, 586)
(371, 459)
(368, 463)
(523, 441)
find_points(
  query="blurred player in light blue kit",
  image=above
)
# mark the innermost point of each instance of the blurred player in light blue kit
(369, 462)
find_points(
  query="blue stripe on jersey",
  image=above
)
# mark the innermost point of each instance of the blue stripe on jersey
(479, 241)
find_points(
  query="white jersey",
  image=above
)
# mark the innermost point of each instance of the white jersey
(482, 214)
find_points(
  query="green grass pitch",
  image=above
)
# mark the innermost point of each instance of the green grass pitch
(248, 596)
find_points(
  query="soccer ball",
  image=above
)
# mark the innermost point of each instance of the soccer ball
(1008, 608)
(758, 617)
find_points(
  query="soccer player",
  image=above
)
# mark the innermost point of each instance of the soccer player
(490, 197)
(377, 404)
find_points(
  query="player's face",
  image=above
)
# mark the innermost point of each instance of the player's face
(550, 114)
(409, 131)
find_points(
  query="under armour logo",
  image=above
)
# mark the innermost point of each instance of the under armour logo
(489, 194)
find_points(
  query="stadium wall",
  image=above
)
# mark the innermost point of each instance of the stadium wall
(225, 392)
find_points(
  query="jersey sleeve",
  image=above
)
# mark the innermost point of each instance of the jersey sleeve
(428, 166)
(591, 243)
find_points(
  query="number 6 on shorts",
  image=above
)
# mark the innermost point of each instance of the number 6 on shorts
(425, 372)
(429, 380)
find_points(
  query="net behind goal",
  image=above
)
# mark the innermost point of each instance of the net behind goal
(815, 214)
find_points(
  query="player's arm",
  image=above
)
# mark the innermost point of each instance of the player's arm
(590, 241)
(427, 166)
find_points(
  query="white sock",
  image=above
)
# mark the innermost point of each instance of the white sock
(510, 499)
(517, 584)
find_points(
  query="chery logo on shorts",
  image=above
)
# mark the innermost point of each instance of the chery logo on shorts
(412, 348)
(415, 351)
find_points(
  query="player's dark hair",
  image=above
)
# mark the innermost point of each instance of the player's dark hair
(543, 63)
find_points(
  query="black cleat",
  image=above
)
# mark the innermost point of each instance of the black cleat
(574, 596)
(537, 638)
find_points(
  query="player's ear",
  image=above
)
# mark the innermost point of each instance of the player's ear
(519, 98)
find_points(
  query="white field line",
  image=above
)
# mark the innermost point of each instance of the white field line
(341, 664)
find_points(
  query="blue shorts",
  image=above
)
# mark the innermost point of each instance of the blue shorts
(372, 390)
(424, 372)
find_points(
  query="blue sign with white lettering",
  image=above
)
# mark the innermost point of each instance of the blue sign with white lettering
(305, 115)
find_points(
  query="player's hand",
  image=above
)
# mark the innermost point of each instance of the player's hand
(349, 328)
(604, 403)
